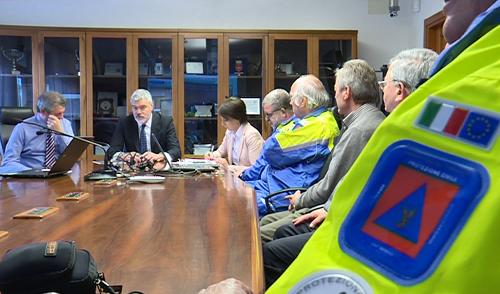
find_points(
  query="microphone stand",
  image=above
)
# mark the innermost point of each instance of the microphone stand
(106, 173)
(167, 162)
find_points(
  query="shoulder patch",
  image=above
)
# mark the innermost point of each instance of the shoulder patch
(332, 281)
(412, 208)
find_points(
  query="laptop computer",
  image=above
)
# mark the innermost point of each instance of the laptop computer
(63, 164)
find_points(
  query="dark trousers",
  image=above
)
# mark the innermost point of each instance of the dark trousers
(282, 251)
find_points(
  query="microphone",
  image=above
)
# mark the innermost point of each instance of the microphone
(161, 150)
(107, 171)
(38, 133)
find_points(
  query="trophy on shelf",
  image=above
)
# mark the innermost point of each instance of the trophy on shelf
(77, 61)
(158, 64)
(13, 56)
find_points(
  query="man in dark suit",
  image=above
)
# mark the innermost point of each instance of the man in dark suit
(136, 135)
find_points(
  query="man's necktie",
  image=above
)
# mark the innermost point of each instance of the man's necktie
(143, 140)
(50, 150)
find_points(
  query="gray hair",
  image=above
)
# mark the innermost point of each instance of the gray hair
(412, 65)
(278, 99)
(313, 89)
(49, 100)
(141, 94)
(360, 77)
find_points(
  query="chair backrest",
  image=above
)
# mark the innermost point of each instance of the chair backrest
(325, 167)
(9, 118)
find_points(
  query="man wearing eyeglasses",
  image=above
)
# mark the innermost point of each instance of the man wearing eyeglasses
(406, 70)
(277, 108)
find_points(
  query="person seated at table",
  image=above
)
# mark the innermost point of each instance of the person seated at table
(277, 110)
(242, 143)
(357, 96)
(28, 150)
(277, 107)
(136, 135)
(295, 153)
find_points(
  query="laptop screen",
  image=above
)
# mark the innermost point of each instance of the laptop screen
(69, 156)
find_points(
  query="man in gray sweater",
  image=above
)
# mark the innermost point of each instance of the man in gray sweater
(357, 96)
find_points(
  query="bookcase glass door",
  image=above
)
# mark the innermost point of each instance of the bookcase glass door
(155, 72)
(200, 94)
(109, 80)
(62, 74)
(290, 62)
(332, 55)
(16, 79)
(245, 76)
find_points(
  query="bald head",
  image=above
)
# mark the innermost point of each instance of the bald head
(307, 94)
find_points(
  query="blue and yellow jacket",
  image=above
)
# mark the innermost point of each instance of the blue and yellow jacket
(293, 156)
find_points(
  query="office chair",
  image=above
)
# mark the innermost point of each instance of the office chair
(1, 150)
(9, 118)
(268, 199)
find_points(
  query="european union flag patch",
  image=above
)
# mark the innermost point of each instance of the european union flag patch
(479, 128)
(461, 122)
(412, 208)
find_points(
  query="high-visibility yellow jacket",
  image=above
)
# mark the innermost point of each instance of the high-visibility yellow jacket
(419, 211)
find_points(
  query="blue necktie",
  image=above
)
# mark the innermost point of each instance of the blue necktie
(50, 151)
(143, 140)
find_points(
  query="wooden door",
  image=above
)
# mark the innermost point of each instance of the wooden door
(433, 32)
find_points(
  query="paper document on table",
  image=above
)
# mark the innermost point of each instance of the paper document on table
(195, 160)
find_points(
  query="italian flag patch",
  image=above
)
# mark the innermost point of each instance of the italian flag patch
(462, 122)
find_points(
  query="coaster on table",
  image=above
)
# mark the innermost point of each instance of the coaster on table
(37, 212)
(73, 196)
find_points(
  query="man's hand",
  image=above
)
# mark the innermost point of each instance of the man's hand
(129, 155)
(293, 199)
(54, 123)
(315, 218)
(152, 157)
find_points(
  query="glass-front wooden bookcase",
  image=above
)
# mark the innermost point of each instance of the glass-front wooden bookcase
(188, 72)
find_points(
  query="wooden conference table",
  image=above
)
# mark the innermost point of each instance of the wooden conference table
(175, 237)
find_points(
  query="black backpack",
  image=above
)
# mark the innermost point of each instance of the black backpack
(56, 266)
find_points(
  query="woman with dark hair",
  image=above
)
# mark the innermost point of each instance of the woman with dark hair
(242, 143)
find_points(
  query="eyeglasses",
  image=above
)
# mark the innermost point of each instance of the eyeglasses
(382, 84)
(270, 114)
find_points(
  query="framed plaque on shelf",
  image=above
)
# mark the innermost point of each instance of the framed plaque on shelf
(106, 103)
(252, 105)
(194, 67)
(113, 69)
